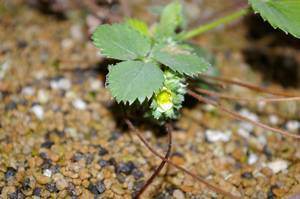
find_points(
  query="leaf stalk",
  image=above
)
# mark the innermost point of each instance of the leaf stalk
(211, 25)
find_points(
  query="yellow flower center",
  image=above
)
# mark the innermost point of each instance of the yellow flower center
(164, 100)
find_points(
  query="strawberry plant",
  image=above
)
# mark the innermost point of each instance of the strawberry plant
(157, 63)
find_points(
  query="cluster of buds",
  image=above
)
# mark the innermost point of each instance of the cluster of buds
(168, 100)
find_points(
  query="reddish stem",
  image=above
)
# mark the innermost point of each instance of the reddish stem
(249, 86)
(162, 164)
(265, 100)
(199, 179)
(240, 117)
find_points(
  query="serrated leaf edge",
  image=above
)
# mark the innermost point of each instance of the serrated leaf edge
(130, 102)
(103, 52)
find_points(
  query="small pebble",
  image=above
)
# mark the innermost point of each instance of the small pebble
(252, 159)
(247, 175)
(138, 185)
(29, 182)
(126, 168)
(51, 187)
(137, 174)
(79, 104)
(10, 106)
(273, 119)
(47, 144)
(95, 85)
(16, 195)
(60, 181)
(117, 188)
(37, 191)
(4, 68)
(28, 91)
(103, 163)
(100, 187)
(41, 178)
(178, 194)
(215, 135)
(10, 173)
(246, 113)
(293, 125)
(47, 172)
(102, 151)
(38, 111)
(76, 32)
(67, 43)
(61, 84)
(43, 96)
(114, 136)
(97, 188)
(77, 157)
(278, 165)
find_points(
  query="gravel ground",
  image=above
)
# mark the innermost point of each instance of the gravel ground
(59, 137)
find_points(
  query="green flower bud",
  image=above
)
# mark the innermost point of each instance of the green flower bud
(166, 103)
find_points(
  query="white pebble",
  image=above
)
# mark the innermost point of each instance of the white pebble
(28, 91)
(248, 114)
(247, 126)
(72, 132)
(209, 108)
(252, 158)
(76, 32)
(43, 96)
(243, 133)
(38, 111)
(215, 136)
(273, 119)
(4, 68)
(79, 104)
(39, 75)
(178, 194)
(95, 84)
(262, 139)
(293, 125)
(278, 165)
(70, 94)
(62, 84)
(47, 172)
(67, 43)
(261, 105)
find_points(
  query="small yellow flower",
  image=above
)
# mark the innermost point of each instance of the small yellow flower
(164, 100)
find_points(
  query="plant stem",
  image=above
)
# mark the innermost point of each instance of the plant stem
(161, 165)
(201, 180)
(206, 27)
(239, 116)
(251, 86)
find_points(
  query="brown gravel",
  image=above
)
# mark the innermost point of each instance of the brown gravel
(59, 137)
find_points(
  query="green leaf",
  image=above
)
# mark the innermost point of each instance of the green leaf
(180, 60)
(131, 80)
(138, 25)
(283, 14)
(171, 18)
(119, 41)
(199, 51)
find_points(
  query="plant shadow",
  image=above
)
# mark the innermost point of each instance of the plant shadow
(272, 52)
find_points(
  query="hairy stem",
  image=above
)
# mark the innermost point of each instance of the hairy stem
(199, 179)
(162, 164)
(246, 99)
(211, 25)
(250, 86)
(240, 117)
